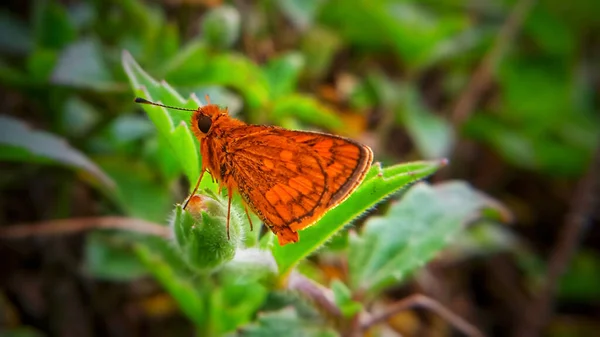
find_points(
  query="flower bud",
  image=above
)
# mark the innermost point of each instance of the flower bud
(201, 235)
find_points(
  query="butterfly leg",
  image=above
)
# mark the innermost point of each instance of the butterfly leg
(230, 193)
(248, 215)
(195, 189)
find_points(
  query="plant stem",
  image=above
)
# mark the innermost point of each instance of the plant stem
(75, 225)
(419, 300)
(585, 201)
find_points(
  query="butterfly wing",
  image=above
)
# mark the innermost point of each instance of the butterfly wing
(346, 161)
(291, 178)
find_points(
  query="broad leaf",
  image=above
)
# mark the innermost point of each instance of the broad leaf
(221, 27)
(300, 12)
(137, 190)
(52, 27)
(110, 257)
(305, 109)
(179, 286)
(81, 65)
(16, 36)
(283, 73)
(171, 124)
(343, 299)
(19, 142)
(407, 28)
(196, 66)
(285, 322)
(414, 230)
(433, 136)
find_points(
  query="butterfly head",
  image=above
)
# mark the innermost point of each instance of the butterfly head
(204, 118)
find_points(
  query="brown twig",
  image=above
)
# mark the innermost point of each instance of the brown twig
(419, 300)
(75, 225)
(481, 79)
(585, 201)
(315, 292)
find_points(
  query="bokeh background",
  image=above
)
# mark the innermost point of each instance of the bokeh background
(506, 90)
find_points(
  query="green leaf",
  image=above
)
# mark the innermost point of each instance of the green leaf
(110, 258)
(180, 287)
(16, 37)
(171, 124)
(581, 279)
(82, 15)
(254, 265)
(553, 101)
(138, 190)
(283, 73)
(550, 32)
(417, 33)
(433, 136)
(467, 42)
(168, 41)
(21, 143)
(221, 27)
(300, 12)
(128, 128)
(217, 304)
(196, 66)
(305, 109)
(284, 323)
(139, 29)
(513, 145)
(378, 185)
(40, 64)
(319, 47)
(81, 65)
(359, 22)
(343, 298)
(484, 239)
(158, 153)
(52, 27)
(414, 33)
(413, 231)
(234, 303)
(383, 88)
(11, 76)
(77, 117)
(555, 149)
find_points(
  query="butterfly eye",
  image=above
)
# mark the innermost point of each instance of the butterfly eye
(204, 123)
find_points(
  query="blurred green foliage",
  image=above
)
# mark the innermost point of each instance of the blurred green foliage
(80, 64)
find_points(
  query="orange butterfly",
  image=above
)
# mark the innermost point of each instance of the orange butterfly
(288, 178)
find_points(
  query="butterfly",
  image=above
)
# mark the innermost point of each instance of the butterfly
(288, 178)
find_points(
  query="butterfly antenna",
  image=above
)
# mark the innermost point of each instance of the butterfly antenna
(145, 101)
